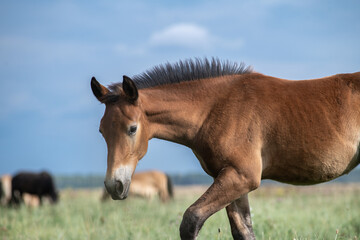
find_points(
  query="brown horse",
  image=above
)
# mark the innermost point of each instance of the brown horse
(149, 184)
(243, 127)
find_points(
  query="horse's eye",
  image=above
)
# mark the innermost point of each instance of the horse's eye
(132, 130)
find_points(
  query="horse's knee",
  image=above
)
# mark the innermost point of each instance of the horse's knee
(190, 224)
(247, 182)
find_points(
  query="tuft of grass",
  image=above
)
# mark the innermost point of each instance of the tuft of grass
(279, 212)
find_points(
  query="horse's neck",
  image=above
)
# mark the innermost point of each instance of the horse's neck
(176, 112)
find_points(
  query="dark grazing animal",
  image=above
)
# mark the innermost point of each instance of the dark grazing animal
(243, 127)
(39, 184)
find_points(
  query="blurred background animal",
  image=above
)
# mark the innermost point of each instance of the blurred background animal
(5, 189)
(31, 200)
(38, 184)
(149, 184)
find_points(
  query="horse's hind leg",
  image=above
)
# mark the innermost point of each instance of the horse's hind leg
(227, 187)
(40, 200)
(163, 193)
(240, 219)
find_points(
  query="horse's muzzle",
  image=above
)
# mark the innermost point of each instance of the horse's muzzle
(118, 185)
(117, 189)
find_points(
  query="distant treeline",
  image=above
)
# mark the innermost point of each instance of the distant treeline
(79, 181)
(97, 181)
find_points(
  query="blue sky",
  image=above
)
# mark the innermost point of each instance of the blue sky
(49, 50)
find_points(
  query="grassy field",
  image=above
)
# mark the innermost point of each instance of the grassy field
(279, 212)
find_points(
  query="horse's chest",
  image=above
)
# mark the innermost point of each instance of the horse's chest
(207, 168)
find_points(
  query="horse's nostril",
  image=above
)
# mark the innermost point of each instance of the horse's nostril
(119, 187)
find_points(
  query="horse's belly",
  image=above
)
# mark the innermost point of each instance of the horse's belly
(314, 168)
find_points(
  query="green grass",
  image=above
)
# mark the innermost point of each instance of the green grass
(323, 212)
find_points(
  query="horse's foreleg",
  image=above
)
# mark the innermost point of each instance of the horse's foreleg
(227, 187)
(240, 219)
(40, 200)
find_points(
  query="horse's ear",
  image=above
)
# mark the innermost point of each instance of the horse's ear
(130, 89)
(98, 90)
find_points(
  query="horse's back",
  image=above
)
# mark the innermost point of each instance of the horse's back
(314, 133)
(301, 132)
(150, 177)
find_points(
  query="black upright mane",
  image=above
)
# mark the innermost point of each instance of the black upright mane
(186, 70)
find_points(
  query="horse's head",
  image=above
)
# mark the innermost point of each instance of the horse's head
(124, 128)
(54, 196)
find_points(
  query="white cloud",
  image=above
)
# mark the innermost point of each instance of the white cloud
(183, 34)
